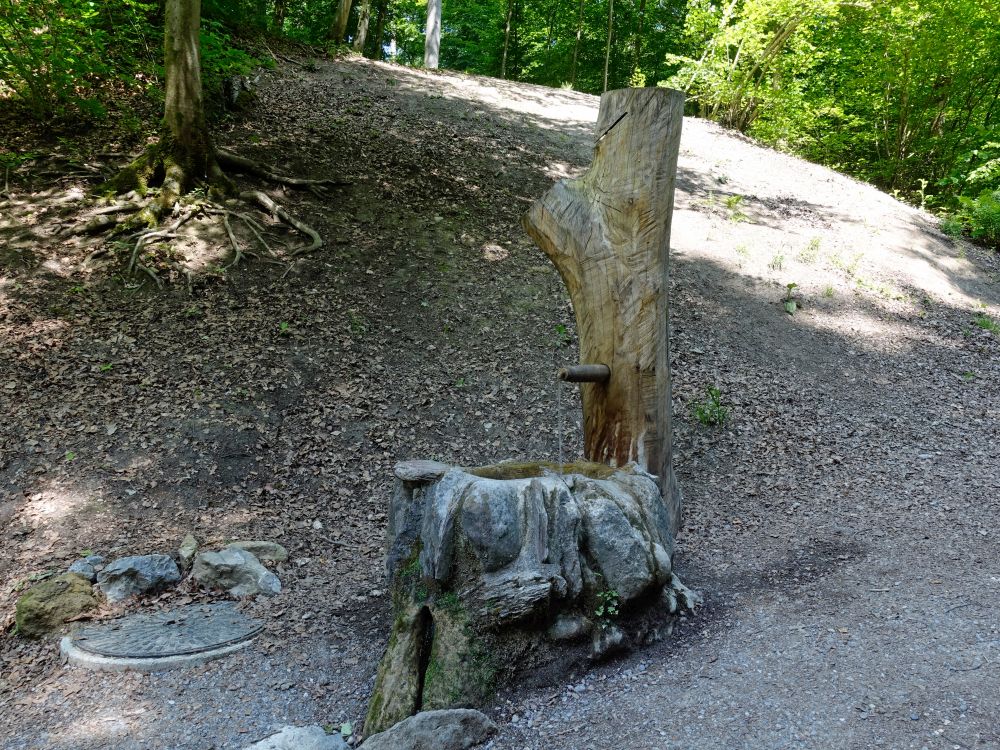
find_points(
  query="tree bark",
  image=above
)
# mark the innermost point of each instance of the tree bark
(506, 37)
(432, 35)
(376, 47)
(608, 234)
(364, 15)
(576, 46)
(184, 109)
(338, 27)
(607, 51)
(280, 9)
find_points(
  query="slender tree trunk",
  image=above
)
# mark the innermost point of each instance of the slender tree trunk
(280, 9)
(338, 27)
(576, 45)
(364, 15)
(506, 38)
(637, 46)
(432, 35)
(186, 133)
(607, 52)
(380, 16)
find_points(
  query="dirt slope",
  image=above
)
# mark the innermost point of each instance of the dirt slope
(841, 524)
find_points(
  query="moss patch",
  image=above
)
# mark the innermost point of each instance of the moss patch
(47, 606)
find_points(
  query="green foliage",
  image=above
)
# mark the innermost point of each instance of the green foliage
(710, 412)
(987, 323)
(607, 608)
(790, 304)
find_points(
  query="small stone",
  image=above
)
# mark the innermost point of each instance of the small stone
(138, 574)
(317, 524)
(237, 571)
(187, 550)
(262, 549)
(83, 569)
(301, 738)
(450, 729)
(47, 605)
(568, 628)
(96, 560)
(606, 640)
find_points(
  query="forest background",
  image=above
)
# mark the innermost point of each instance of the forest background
(904, 94)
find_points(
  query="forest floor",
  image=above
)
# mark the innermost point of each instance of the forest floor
(842, 524)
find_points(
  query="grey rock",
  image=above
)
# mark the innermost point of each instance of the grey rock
(451, 729)
(138, 574)
(301, 738)
(606, 640)
(567, 628)
(96, 560)
(491, 521)
(617, 547)
(420, 470)
(83, 569)
(262, 550)
(237, 571)
(187, 550)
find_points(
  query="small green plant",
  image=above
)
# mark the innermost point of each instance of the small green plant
(810, 253)
(777, 262)
(563, 337)
(987, 323)
(106, 367)
(358, 323)
(192, 312)
(710, 412)
(736, 214)
(70, 456)
(789, 302)
(952, 226)
(460, 382)
(78, 289)
(828, 291)
(849, 267)
(743, 251)
(969, 375)
(607, 608)
(284, 329)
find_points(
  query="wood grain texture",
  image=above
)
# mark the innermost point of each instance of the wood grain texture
(608, 234)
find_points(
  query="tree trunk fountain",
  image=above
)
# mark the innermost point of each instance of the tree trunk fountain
(497, 569)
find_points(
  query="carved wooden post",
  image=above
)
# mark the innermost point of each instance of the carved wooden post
(608, 234)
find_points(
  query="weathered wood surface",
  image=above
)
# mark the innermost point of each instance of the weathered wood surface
(608, 234)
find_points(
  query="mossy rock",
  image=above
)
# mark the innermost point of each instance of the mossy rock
(48, 605)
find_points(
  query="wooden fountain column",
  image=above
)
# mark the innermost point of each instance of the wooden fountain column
(608, 234)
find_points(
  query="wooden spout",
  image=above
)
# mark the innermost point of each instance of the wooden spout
(585, 374)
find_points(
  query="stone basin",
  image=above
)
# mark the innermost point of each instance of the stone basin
(495, 567)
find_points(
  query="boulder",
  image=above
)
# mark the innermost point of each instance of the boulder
(453, 729)
(237, 571)
(83, 569)
(138, 574)
(187, 551)
(497, 569)
(262, 550)
(49, 604)
(301, 738)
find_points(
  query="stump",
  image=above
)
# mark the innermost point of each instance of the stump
(608, 234)
(492, 569)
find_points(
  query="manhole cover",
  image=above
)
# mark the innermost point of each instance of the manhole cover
(178, 632)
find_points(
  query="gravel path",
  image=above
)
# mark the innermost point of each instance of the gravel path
(841, 524)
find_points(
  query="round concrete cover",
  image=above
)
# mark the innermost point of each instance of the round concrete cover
(178, 632)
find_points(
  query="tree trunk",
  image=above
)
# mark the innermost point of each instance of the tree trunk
(608, 234)
(506, 37)
(377, 49)
(280, 9)
(637, 47)
(607, 52)
(338, 27)
(432, 35)
(184, 110)
(576, 46)
(364, 15)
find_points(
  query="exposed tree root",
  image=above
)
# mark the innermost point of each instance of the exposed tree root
(248, 166)
(268, 204)
(142, 221)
